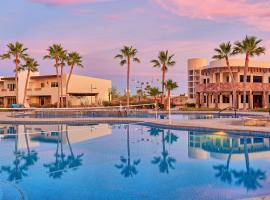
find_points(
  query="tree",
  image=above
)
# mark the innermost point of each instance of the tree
(170, 85)
(224, 51)
(127, 54)
(54, 53)
(63, 60)
(154, 92)
(31, 66)
(250, 47)
(18, 52)
(164, 61)
(73, 59)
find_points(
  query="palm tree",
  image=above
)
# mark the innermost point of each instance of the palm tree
(128, 54)
(73, 59)
(31, 66)
(54, 53)
(224, 51)
(63, 60)
(250, 47)
(170, 85)
(17, 51)
(154, 92)
(128, 168)
(164, 61)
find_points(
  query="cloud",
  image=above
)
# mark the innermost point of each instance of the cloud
(253, 13)
(66, 2)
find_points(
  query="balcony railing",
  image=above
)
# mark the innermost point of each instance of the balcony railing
(224, 87)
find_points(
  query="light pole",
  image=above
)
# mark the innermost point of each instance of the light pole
(92, 88)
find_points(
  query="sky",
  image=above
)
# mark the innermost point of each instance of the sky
(98, 29)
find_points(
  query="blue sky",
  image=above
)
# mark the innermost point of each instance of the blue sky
(99, 28)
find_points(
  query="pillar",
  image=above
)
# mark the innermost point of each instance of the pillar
(264, 103)
(201, 99)
(250, 100)
(221, 77)
(231, 100)
(216, 100)
(197, 100)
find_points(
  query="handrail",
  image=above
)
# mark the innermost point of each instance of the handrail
(220, 111)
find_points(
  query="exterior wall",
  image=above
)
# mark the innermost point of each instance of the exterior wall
(40, 89)
(195, 65)
(216, 81)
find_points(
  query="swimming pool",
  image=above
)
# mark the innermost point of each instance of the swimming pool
(130, 161)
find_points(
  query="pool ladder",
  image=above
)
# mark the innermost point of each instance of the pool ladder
(220, 111)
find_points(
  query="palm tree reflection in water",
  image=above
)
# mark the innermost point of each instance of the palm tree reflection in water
(128, 168)
(165, 162)
(62, 162)
(249, 178)
(22, 161)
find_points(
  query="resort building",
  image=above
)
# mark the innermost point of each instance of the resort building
(215, 89)
(42, 90)
(195, 66)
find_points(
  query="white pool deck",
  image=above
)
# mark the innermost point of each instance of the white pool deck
(221, 124)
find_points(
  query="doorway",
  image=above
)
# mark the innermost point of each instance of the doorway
(257, 101)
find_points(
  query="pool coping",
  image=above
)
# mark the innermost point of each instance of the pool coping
(216, 124)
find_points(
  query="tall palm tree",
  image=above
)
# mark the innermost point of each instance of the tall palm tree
(224, 51)
(63, 60)
(54, 53)
(18, 52)
(250, 46)
(170, 85)
(128, 54)
(31, 66)
(73, 59)
(164, 61)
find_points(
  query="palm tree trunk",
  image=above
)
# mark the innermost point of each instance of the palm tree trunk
(245, 80)
(246, 154)
(163, 82)
(69, 145)
(69, 76)
(233, 82)
(229, 159)
(58, 82)
(16, 78)
(25, 87)
(128, 147)
(62, 100)
(128, 74)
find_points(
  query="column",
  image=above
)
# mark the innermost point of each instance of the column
(250, 100)
(220, 98)
(201, 99)
(197, 99)
(221, 77)
(216, 100)
(231, 100)
(264, 103)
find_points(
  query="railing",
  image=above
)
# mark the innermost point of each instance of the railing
(227, 108)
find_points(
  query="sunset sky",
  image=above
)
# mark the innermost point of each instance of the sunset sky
(99, 28)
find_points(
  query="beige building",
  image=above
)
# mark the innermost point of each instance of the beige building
(215, 88)
(195, 66)
(42, 90)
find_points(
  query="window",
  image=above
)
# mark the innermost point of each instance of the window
(257, 79)
(242, 78)
(11, 87)
(54, 84)
(11, 100)
(42, 85)
(242, 98)
(204, 81)
(269, 79)
(225, 99)
(257, 140)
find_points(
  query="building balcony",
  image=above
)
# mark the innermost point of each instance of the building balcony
(228, 87)
(8, 93)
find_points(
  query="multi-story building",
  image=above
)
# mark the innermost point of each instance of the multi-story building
(216, 89)
(195, 65)
(42, 90)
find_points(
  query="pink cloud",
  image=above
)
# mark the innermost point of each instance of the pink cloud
(256, 14)
(66, 2)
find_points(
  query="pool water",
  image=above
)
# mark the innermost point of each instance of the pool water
(130, 161)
